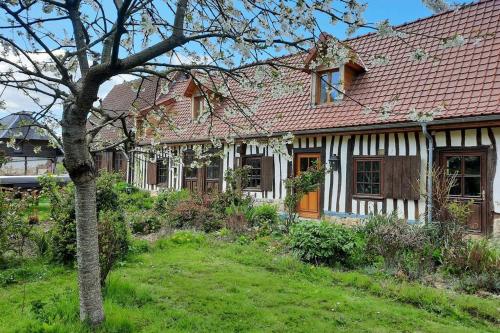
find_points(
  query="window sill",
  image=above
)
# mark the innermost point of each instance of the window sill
(252, 189)
(364, 196)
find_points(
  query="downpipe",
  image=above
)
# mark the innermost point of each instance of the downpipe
(429, 170)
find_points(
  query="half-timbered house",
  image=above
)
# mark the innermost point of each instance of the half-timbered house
(367, 131)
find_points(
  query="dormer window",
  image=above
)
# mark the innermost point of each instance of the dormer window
(198, 106)
(328, 84)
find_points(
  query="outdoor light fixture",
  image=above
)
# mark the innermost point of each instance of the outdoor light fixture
(334, 162)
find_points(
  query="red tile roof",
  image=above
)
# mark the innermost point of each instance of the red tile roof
(463, 79)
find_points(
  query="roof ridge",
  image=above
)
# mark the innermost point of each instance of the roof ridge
(446, 12)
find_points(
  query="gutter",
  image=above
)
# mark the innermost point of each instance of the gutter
(429, 170)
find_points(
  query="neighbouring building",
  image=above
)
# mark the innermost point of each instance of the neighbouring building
(26, 147)
(378, 163)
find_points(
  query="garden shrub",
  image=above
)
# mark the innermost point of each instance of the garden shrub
(113, 240)
(144, 222)
(106, 192)
(405, 248)
(298, 186)
(16, 228)
(264, 215)
(132, 198)
(62, 212)
(480, 269)
(195, 213)
(326, 243)
(238, 217)
(166, 201)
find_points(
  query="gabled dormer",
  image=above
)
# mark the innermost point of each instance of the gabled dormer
(331, 78)
(153, 116)
(200, 96)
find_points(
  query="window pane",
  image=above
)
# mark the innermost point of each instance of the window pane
(324, 80)
(472, 186)
(188, 171)
(334, 82)
(213, 170)
(368, 177)
(454, 165)
(456, 188)
(472, 165)
(254, 173)
(303, 164)
(312, 161)
(360, 177)
(162, 169)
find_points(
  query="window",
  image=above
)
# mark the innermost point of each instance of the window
(213, 169)
(465, 172)
(162, 171)
(327, 86)
(368, 177)
(189, 172)
(254, 175)
(198, 106)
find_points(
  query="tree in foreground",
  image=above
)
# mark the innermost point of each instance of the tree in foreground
(60, 52)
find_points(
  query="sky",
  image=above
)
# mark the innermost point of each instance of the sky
(396, 11)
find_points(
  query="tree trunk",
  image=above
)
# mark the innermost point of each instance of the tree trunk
(79, 163)
(89, 275)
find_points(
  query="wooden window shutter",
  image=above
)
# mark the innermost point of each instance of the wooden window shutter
(401, 177)
(388, 176)
(151, 176)
(124, 164)
(411, 178)
(267, 171)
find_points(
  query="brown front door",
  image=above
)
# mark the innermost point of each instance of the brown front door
(309, 205)
(468, 170)
(213, 176)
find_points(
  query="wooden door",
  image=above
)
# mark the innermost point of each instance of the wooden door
(213, 176)
(191, 179)
(309, 205)
(467, 169)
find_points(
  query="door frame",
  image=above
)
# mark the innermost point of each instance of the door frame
(487, 180)
(320, 152)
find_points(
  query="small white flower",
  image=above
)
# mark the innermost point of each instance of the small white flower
(454, 41)
(419, 55)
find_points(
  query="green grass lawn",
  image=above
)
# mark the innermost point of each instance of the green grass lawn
(192, 283)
